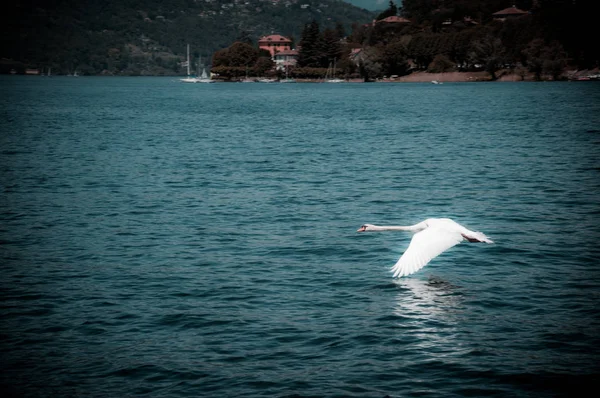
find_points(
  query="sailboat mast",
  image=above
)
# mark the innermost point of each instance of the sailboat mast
(188, 59)
(333, 73)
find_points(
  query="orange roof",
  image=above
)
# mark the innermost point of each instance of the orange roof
(395, 19)
(510, 11)
(274, 39)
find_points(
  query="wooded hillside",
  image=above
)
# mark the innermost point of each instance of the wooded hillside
(130, 37)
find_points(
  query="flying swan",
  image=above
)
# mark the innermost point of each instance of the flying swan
(432, 237)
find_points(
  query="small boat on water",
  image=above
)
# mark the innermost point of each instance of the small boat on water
(189, 78)
(204, 78)
(266, 80)
(330, 76)
(436, 82)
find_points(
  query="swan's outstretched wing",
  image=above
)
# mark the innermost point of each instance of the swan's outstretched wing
(425, 246)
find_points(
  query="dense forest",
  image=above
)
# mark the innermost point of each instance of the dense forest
(149, 37)
(447, 35)
(451, 35)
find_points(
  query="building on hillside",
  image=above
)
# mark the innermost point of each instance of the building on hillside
(274, 44)
(393, 19)
(510, 12)
(389, 20)
(285, 59)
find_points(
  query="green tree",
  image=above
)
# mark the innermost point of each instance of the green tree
(533, 57)
(423, 48)
(310, 54)
(391, 11)
(555, 60)
(331, 46)
(237, 55)
(440, 64)
(340, 30)
(393, 59)
(545, 59)
(370, 66)
(263, 65)
(489, 51)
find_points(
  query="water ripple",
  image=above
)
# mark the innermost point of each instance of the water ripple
(161, 239)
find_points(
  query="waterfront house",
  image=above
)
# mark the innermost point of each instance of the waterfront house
(285, 59)
(274, 44)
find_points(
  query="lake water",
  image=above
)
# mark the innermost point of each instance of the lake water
(163, 240)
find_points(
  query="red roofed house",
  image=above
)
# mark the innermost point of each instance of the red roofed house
(274, 44)
(388, 20)
(510, 12)
(394, 19)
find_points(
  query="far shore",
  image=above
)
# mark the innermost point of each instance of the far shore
(504, 75)
(418, 77)
(458, 77)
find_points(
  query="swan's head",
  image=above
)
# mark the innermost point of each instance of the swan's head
(366, 228)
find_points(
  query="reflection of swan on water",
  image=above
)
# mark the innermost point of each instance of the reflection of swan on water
(422, 299)
(432, 237)
(429, 316)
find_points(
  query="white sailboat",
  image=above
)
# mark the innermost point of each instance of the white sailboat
(287, 79)
(189, 78)
(204, 78)
(332, 78)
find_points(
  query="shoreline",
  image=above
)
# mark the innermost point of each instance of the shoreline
(504, 75)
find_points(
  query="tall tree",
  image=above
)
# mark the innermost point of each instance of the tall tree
(332, 48)
(310, 54)
(390, 12)
(489, 51)
(370, 65)
(393, 59)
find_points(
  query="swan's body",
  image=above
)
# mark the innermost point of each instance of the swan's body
(432, 237)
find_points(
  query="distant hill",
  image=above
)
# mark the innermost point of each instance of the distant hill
(149, 36)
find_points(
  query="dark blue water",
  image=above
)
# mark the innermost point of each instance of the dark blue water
(164, 240)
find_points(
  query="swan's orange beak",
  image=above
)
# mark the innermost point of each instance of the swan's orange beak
(362, 229)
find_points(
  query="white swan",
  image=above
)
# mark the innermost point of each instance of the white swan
(432, 237)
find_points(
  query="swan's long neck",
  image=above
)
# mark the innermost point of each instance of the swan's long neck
(410, 228)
